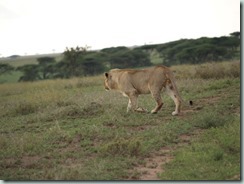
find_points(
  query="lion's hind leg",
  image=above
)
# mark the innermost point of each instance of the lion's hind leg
(156, 95)
(175, 97)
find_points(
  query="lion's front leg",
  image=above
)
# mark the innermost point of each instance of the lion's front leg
(132, 104)
(129, 106)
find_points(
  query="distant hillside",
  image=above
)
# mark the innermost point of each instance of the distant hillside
(194, 51)
(80, 61)
(181, 51)
(29, 59)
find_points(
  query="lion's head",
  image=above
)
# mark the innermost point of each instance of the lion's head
(107, 81)
(110, 79)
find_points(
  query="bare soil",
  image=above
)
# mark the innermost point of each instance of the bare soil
(154, 164)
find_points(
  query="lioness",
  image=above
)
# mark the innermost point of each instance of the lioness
(132, 83)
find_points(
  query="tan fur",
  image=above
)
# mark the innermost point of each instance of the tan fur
(132, 83)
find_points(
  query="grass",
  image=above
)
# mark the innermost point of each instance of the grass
(73, 129)
(215, 155)
(12, 77)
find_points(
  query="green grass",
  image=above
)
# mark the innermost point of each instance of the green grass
(12, 77)
(74, 130)
(215, 155)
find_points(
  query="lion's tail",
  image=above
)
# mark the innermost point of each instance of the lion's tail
(172, 78)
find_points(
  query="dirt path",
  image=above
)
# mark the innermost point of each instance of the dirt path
(155, 162)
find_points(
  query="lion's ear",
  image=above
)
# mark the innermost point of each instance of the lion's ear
(106, 75)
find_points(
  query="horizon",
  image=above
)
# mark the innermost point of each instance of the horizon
(90, 49)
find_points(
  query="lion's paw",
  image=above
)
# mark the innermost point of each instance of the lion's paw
(154, 112)
(140, 109)
(175, 113)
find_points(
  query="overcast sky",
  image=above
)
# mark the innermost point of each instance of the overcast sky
(45, 26)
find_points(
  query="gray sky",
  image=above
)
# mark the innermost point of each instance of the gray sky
(41, 26)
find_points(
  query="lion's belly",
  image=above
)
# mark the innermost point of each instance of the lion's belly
(143, 89)
(138, 91)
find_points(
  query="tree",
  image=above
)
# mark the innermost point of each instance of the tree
(91, 66)
(71, 65)
(199, 50)
(112, 50)
(30, 72)
(236, 34)
(5, 68)
(123, 57)
(46, 67)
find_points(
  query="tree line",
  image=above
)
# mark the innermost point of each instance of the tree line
(80, 61)
(195, 51)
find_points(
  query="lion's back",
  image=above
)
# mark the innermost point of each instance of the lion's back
(142, 79)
